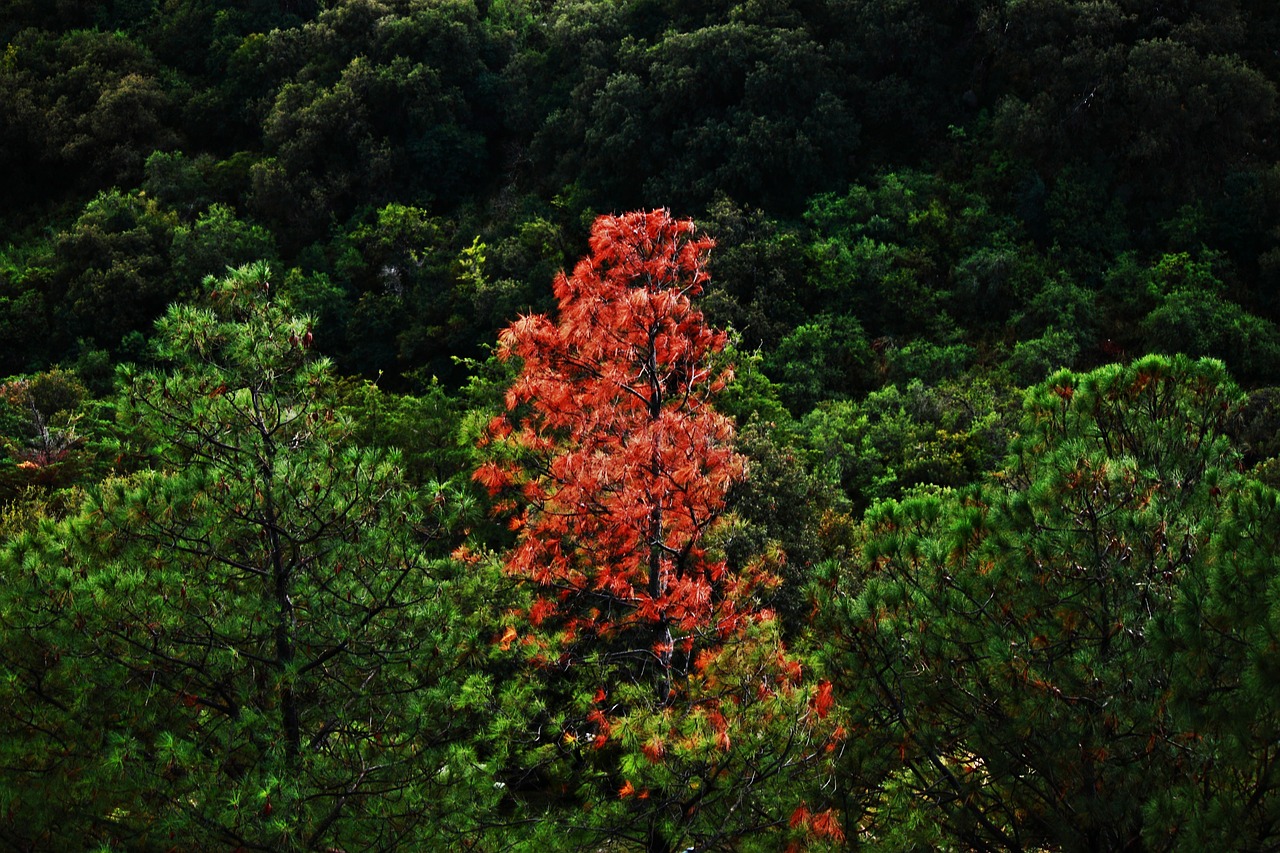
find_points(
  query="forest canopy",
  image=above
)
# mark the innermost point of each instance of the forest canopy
(629, 424)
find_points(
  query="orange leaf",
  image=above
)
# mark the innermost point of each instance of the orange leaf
(822, 700)
(827, 825)
(654, 749)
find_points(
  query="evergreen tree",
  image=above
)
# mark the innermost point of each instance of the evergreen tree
(1064, 657)
(250, 644)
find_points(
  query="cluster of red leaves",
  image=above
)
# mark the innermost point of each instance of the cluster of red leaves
(823, 824)
(616, 464)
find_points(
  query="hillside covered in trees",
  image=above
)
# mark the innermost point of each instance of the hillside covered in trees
(639, 425)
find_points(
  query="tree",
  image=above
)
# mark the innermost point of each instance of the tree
(676, 700)
(252, 642)
(756, 112)
(1151, 98)
(1070, 655)
(38, 432)
(113, 269)
(84, 109)
(218, 239)
(622, 378)
(371, 102)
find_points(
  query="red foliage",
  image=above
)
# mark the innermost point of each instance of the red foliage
(620, 463)
(823, 700)
(654, 748)
(827, 825)
(823, 824)
(616, 468)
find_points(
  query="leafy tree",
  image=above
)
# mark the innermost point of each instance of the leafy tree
(1032, 360)
(1220, 642)
(83, 110)
(25, 323)
(1151, 97)
(778, 510)
(182, 183)
(899, 253)
(755, 112)
(659, 101)
(1192, 315)
(422, 427)
(681, 701)
(758, 276)
(416, 295)
(367, 104)
(901, 437)
(914, 64)
(217, 239)
(827, 358)
(113, 272)
(38, 432)
(245, 644)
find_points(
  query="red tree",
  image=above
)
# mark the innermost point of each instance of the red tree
(615, 467)
(623, 464)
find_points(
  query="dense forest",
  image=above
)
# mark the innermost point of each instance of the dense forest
(639, 425)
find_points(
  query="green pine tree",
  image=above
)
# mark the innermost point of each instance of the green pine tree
(1076, 654)
(253, 643)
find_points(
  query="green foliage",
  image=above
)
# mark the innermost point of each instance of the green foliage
(1219, 638)
(899, 253)
(926, 361)
(1200, 323)
(414, 290)
(245, 642)
(917, 206)
(1256, 427)
(1192, 315)
(1033, 653)
(24, 307)
(179, 181)
(216, 241)
(755, 111)
(1033, 360)
(84, 109)
(827, 358)
(113, 272)
(41, 435)
(777, 511)
(367, 103)
(758, 277)
(900, 437)
(1134, 92)
(422, 428)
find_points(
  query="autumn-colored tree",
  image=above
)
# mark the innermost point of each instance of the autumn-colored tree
(615, 468)
(625, 465)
